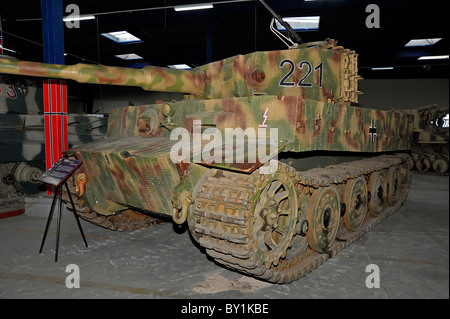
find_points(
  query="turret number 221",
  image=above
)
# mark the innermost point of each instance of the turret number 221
(307, 69)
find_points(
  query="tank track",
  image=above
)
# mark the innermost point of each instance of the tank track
(225, 218)
(122, 221)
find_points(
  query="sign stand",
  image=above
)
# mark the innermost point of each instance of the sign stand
(57, 176)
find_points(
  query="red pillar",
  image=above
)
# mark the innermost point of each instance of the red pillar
(55, 120)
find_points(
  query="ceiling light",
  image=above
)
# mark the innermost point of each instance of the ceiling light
(383, 68)
(121, 37)
(75, 18)
(129, 56)
(433, 57)
(422, 42)
(301, 23)
(197, 6)
(180, 66)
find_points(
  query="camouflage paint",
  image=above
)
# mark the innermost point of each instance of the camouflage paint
(307, 93)
(135, 170)
(303, 124)
(23, 136)
(149, 78)
(323, 72)
(22, 143)
(20, 95)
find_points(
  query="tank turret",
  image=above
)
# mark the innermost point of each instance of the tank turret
(321, 71)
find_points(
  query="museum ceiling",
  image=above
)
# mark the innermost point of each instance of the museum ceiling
(234, 27)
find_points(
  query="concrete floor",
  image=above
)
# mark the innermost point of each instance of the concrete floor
(411, 249)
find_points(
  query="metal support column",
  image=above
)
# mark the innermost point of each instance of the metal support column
(53, 31)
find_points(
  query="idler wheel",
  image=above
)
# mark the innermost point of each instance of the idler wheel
(323, 215)
(378, 192)
(355, 198)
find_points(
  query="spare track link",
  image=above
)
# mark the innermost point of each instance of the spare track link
(122, 221)
(224, 218)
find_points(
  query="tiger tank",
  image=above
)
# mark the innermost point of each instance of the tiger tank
(429, 149)
(266, 160)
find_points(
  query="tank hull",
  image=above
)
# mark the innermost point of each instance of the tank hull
(130, 169)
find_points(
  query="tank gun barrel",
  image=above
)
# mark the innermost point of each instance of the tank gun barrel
(150, 78)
